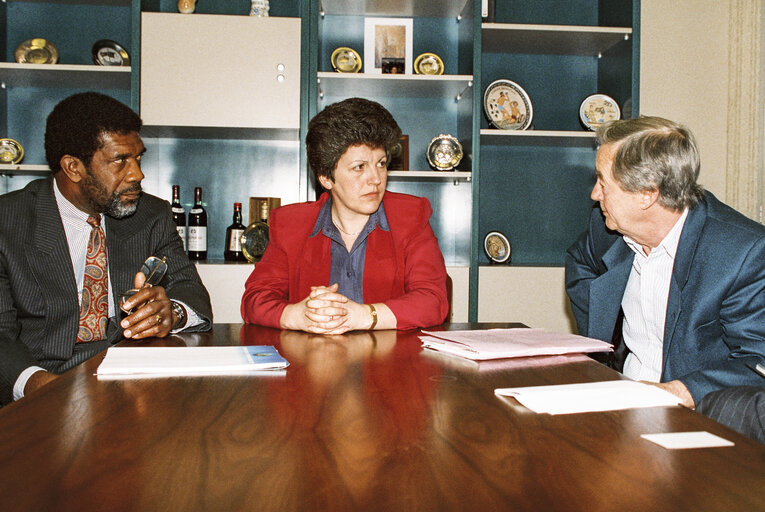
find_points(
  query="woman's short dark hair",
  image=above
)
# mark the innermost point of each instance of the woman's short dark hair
(350, 122)
(76, 124)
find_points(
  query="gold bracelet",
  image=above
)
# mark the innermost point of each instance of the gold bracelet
(373, 312)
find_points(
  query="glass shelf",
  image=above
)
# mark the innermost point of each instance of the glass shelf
(551, 39)
(538, 138)
(24, 170)
(430, 176)
(427, 9)
(425, 86)
(73, 75)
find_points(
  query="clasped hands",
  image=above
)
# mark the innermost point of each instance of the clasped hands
(325, 311)
(151, 315)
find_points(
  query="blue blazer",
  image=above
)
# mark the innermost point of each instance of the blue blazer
(715, 322)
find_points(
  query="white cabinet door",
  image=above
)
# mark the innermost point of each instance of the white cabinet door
(201, 70)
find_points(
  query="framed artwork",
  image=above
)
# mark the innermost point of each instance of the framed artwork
(399, 155)
(388, 45)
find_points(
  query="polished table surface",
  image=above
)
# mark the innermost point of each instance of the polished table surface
(357, 422)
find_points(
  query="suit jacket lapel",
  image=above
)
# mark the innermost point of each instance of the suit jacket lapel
(49, 251)
(607, 290)
(686, 251)
(315, 266)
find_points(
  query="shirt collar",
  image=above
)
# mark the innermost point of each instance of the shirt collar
(70, 214)
(668, 244)
(324, 221)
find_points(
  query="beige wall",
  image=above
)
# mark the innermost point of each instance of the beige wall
(684, 74)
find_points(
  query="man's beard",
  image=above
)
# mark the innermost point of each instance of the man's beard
(101, 201)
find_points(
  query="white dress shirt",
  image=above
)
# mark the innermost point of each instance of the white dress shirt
(645, 305)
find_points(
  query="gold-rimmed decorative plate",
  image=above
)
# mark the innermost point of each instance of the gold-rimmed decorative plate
(497, 247)
(11, 151)
(507, 106)
(106, 52)
(346, 60)
(444, 152)
(428, 64)
(597, 109)
(36, 51)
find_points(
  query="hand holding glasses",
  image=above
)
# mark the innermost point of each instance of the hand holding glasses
(154, 269)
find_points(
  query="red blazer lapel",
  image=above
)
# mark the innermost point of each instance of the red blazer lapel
(381, 272)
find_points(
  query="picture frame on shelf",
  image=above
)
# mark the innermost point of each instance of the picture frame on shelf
(399, 155)
(388, 45)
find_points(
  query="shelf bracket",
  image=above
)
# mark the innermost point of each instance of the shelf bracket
(321, 93)
(321, 11)
(462, 93)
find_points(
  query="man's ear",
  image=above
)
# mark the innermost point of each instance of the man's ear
(648, 198)
(72, 167)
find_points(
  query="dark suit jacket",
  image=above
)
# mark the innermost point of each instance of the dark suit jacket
(39, 307)
(403, 267)
(715, 322)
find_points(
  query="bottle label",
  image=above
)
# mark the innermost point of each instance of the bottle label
(182, 234)
(235, 243)
(178, 210)
(197, 238)
(196, 210)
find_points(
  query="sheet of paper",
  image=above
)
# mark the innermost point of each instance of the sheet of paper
(454, 362)
(189, 360)
(501, 343)
(609, 395)
(685, 440)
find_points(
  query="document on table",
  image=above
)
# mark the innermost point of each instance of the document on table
(186, 361)
(612, 395)
(501, 343)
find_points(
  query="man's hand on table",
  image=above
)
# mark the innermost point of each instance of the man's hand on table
(678, 389)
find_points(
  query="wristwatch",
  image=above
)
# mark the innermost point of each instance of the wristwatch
(180, 313)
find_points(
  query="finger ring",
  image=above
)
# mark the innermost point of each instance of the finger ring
(159, 318)
(331, 317)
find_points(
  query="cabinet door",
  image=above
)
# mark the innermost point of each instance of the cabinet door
(220, 71)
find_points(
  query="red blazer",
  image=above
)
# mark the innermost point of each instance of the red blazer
(404, 268)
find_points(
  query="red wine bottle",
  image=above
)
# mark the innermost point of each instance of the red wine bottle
(179, 214)
(197, 233)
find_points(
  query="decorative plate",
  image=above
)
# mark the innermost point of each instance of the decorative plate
(444, 152)
(11, 151)
(497, 247)
(507, 105)
(36, 51)
(428, 64)
(106, 52)
(346, 60)
(597, 109)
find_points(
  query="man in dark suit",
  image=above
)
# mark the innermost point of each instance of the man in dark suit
(70, 244)
(669, 273)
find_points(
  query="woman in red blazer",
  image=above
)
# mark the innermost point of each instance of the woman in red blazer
(359, 257)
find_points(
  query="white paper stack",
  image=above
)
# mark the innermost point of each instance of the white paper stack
(612, 395)
(501, 343)
(172, 361)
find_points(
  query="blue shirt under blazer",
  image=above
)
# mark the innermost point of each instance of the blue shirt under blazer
(715, 322)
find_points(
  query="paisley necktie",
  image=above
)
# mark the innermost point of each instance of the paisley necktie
(94, 307)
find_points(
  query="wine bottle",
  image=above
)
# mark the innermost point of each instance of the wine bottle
(179, 214)
(255, 237)
(197, 241)
(233, 249)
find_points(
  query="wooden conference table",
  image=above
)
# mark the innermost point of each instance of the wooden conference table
(360, 422)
